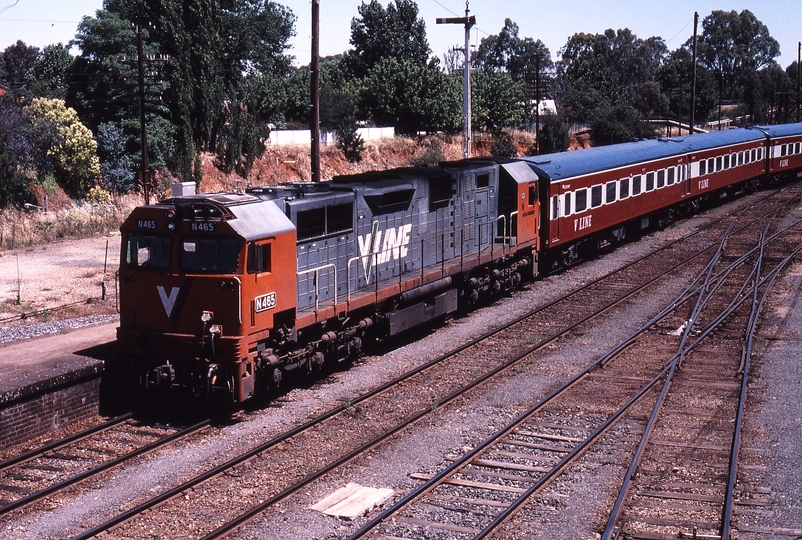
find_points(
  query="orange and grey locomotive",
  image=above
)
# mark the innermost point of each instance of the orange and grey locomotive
(226, 294)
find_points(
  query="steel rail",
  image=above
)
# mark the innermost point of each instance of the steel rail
(55, 445)
(616, 511)
(733, 469)
(55, 488)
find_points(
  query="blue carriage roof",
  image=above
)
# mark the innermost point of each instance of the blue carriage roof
(565, 165)
(783, 130)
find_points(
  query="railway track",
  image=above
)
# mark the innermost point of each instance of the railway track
(258, 478)
(682, 481)
(53, 468)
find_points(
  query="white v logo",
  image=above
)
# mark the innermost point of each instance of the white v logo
(168, 300)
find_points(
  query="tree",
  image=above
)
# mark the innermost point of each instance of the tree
(116, 169)
(590, 84)
(674, 78)
(350, 141)
(497, 101)
(411, 97)
(619, 123)
(553, 136)
(17, 60)
(768, 96)
(393, 33)
(734, 44)
(213, 45)
(74, 154)
(521, 58)
(15, 147)
(104, 76)
(238, 143)
(49, 74)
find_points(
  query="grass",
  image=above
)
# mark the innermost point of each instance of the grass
(23, 229)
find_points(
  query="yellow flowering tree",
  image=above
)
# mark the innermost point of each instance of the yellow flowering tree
(74, 153)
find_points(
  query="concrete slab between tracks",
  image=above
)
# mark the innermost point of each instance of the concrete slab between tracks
(49, 382)
(353, 501)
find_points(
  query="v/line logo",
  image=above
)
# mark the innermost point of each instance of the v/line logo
(380, 247)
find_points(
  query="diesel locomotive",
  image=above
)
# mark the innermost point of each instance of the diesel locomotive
(223, 295)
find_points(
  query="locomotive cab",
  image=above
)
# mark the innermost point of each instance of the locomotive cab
(196, 281)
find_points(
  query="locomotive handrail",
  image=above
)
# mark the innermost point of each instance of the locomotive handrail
(505, 238)
(317, 282)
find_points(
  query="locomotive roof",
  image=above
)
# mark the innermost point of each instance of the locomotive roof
(379, 177)
(249, 220)
(564, 165)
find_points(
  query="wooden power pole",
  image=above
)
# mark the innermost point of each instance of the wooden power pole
(315, 69)
(468, 21)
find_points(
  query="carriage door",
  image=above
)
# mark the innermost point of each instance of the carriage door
(685, 171)
(554, 215)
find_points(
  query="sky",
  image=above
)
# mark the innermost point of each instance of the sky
(44, 22)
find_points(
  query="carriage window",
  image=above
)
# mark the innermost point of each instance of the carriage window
(610, 195)
(702, 168)
(148, 251)
(482, 180)
(797, 148)
(532, 195)
(595, 196)
(718, 163)
(650, 181)
(567, 205)
(740, 158)
(636, 185)
(727, 161)
(670, 179)
(581, 200)
(661, 178)
(258, 258)
(209, 254)
(555, 207)
(711, 165)
(624, 188)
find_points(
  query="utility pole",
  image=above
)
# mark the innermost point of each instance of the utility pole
(468, 21)
(315, 69)
(798, 71)
(142, 127)
(537, 104)
(693, 76)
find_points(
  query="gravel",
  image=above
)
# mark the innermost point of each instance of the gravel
(16, 333)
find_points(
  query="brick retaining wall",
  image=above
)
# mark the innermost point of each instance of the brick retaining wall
(49, 405)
